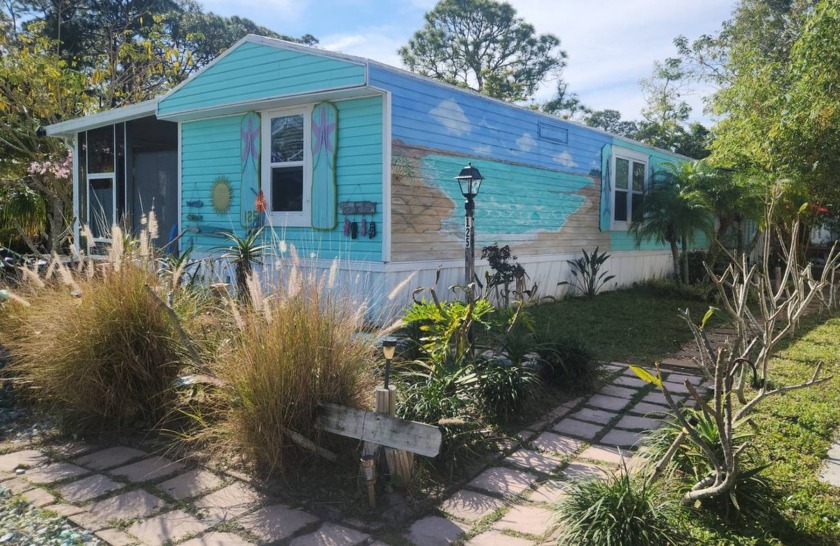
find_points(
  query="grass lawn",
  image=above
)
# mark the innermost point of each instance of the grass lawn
(793, 433)
(638, 325)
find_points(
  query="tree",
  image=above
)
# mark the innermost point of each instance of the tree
(483, 45)
(136, 50)
(565, 104)
(673, 212)
(37, 88)
(775, 63)
(610, 121)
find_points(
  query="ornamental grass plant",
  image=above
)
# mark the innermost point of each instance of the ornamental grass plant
(299, 343)
(93, 346)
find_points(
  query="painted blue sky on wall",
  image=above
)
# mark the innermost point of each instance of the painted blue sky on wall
(611, 43)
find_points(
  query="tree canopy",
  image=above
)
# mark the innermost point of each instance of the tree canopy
(483, 45)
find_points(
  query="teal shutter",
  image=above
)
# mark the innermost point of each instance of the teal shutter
(324, 146)
(250, 155)
(606, 189)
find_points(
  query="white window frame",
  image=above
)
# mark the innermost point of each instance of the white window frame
(631, 156)
(290, 219)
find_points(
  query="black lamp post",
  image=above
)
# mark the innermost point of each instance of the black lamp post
(470, 182)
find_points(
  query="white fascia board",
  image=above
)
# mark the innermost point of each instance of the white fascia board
(100, 119)
(280, 101)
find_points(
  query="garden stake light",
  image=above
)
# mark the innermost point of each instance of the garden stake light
(389, 347)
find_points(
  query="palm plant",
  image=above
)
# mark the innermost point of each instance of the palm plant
(673, 212)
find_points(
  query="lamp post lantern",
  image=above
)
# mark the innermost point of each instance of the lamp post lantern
(470, 182)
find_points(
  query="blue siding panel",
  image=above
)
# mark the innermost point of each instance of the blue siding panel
(255, 72)
(429, 115)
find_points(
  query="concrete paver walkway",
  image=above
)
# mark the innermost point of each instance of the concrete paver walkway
(128, 496)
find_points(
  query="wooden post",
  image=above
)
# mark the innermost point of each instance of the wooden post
(400, 463)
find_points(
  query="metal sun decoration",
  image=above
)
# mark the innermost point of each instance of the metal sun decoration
(221, 195)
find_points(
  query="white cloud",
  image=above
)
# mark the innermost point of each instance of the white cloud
(380, 44)
(565, 159)
(260, 11)
(526, 142)
(449, 114)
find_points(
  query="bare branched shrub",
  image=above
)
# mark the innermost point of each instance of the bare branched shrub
(763, 312)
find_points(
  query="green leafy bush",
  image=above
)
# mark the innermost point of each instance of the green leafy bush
(624, 510)
(587, 276)
(567, 361)
(503, 388)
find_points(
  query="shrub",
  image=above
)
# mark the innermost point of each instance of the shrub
(294, 350)
(445, 396)
(751, 496)
(623, 510)
(567, 362)
(99, 354)
(503, 388)
(587, 276)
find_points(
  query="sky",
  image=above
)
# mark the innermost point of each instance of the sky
(611, 44)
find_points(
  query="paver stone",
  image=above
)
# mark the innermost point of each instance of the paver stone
(550, 492)
(593, 415)
(532, 460)
(276, 522)
(229, 502)
(190, 484)
(605, 454)
(217, 539)
(55, 472)
(630, 422)
(88, 521)
(603, 401)
(134, 504)
(495, 538)
(38, 497)
(630, 382)
(578, 428)
(556, 443)
(89, 488)
(583, 471)
(115, 537)
(169, 526)
(64, 509)
(503, 481)
(147, 469)
(622, 438)
(27, 458)
(646, 408)
(109, 458)
(531, 520)
(830, 473)
(435, 531)
(330, 534)
(618, 392)
(470, 506)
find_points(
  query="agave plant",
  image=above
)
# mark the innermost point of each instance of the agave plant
(242, 253)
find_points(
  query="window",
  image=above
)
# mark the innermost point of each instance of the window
(287, 166)
(629, 179)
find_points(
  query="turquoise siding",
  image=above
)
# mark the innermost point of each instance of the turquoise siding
(211, 148)
(542, 202)
(254, 72)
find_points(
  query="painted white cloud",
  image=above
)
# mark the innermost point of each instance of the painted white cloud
(526, 142)
(565, 159)
(483, 150)
(449, 114)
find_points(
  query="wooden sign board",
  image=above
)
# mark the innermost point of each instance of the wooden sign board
(380, 428)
